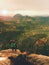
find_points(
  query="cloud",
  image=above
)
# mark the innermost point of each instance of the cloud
(31, 12)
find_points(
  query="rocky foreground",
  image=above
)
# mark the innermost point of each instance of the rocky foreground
(7, 57)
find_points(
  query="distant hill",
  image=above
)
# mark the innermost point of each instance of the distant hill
(17, 16)
(38, 19)
(21, 18)
(26, 22)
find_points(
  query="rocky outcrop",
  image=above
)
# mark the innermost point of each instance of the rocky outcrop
(17, 58)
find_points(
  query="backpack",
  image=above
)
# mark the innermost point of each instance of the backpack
(13, 44)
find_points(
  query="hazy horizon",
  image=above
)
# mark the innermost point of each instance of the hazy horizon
(24, 7)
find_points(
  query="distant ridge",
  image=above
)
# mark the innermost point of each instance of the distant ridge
(19, 17)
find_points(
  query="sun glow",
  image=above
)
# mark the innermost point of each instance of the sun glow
(4, 12)
(23, 12)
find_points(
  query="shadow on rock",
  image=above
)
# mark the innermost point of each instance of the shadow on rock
(19, 60)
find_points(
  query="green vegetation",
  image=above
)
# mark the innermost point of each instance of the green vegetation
(31, 33)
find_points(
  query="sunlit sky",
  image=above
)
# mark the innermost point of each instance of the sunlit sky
(25, 7)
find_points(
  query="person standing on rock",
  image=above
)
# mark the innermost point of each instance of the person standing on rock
(13, 45)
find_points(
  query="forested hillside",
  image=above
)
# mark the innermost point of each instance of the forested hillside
(31, 33)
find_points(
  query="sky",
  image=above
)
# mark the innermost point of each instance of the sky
(25, 7)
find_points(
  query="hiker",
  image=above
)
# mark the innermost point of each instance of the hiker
(13, 45)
